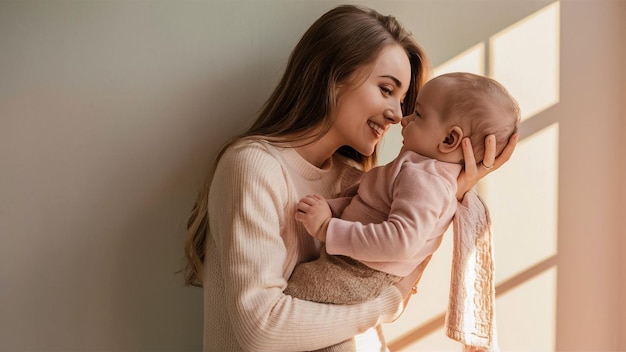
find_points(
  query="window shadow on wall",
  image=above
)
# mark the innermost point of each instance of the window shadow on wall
(522, 197)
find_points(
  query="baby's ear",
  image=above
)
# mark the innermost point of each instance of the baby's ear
(452, 140)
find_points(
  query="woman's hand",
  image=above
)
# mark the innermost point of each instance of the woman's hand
(408, 284)
(473, 172)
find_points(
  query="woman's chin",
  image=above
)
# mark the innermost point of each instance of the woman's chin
(368, 151)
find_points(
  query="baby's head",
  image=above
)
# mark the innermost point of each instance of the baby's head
(457, 105)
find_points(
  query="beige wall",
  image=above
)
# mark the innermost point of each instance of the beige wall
(589, 228)
(110, 112)
(622, 225)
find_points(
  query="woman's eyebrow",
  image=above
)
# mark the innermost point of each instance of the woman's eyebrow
(396, 81)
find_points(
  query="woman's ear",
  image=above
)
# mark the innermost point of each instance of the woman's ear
(452, 141)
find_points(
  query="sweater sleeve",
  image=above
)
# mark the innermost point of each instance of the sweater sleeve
(419, 200)
(247, 208)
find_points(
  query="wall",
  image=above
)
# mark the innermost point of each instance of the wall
(589, 245)
(622, 325)
(111, 111)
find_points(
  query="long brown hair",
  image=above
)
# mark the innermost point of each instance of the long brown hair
(341, 41)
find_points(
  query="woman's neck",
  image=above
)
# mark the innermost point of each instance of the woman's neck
(315, 154)
(318, 153)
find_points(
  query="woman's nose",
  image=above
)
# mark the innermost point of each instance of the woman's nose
(394, 114)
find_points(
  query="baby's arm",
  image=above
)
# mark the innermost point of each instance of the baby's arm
(421, 199)
(314, 213)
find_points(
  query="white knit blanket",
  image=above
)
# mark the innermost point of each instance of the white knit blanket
(470, 318)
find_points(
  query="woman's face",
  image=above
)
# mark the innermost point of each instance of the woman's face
(372, 101)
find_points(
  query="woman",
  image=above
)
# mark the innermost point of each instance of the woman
(353, 74)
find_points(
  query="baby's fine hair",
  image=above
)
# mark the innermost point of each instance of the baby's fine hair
(482, 106)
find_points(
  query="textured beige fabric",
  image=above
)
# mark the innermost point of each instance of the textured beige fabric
(337, 279)
(470, 318)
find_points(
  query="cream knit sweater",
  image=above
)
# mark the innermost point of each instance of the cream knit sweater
(253, 246)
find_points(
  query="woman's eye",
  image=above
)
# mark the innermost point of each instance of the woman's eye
(386, 90)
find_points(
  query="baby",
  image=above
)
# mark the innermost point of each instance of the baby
(395, 218)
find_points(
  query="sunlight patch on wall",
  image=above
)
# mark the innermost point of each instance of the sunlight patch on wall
(471, 60)
(525, 59)
(526, 315)
(523, 195)
(522, 198)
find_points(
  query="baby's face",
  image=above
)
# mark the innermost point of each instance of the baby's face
(423, 130)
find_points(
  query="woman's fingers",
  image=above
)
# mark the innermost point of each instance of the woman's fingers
(507, 152)
(490, 152)
(490, 162)
(468, 157)
(472, 171)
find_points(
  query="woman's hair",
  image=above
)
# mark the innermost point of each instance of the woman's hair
(482, 106)
(339, 43)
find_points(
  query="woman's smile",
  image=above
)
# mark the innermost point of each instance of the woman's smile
(378, 130)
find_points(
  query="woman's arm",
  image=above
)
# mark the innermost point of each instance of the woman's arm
(247, 207)
(473, 172)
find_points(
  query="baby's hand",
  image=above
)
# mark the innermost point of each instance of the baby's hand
(314, 213)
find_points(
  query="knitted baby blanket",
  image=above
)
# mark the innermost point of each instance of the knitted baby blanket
(470, 318)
